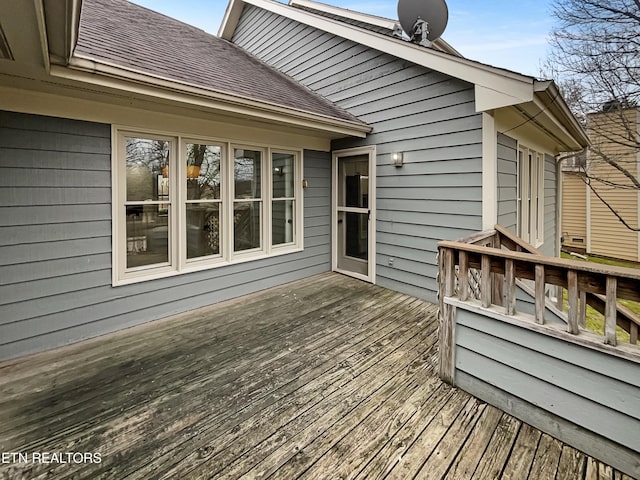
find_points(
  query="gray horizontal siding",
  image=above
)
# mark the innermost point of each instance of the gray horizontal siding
(428, 116)
(550, 207)
(507, 182)
(600, 393)
(55, 243)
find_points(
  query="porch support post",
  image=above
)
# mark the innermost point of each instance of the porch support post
(489, 171)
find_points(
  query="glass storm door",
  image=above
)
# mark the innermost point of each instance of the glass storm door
(353, 214)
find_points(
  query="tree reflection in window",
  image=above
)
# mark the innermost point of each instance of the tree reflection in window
(203, 208)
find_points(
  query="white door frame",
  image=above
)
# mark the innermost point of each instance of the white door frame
(371, 152)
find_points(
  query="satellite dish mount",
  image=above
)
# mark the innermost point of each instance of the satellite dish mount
(423, 20)
(420, 33)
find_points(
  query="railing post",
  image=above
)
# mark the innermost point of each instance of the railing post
(485, 281)
(447, 316)
(611, 312)
(539, 276)
(572, 287)
(463, 276)
(510, 287)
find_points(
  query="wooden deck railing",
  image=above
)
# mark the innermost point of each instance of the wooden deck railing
(486, 266)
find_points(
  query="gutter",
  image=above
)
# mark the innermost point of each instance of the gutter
(88, 70)
(558, 107)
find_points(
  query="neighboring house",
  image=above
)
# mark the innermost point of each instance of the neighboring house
(149, 168)
(588, 224)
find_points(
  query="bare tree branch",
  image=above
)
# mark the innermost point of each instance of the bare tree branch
(595, 59)
(587, 180)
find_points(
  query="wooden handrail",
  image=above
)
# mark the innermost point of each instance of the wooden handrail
(553, 262)
(626, 319)
(587, 283)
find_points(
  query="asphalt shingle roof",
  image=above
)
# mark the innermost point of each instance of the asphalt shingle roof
(125, 34)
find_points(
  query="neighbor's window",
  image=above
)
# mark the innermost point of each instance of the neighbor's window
(185, 204)
(531, 196)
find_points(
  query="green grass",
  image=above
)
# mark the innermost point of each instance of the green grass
(595, 320)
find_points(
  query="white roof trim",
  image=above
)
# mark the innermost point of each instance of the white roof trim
(344, 12)
(374, 20)
(108, 75)
(505, 83)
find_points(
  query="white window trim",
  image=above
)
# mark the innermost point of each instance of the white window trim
(533, 211)
(178, 263)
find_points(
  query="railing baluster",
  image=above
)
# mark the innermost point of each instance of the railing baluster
(582, 314)
(510, 286)
(572, 287)
(559, 298)
(539, 275)
(485, 288)
(463, 276)
(633, 334)
(610, 311)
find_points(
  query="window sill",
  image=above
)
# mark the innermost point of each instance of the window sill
(165, 272)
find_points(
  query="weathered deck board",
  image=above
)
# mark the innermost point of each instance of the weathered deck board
(328, 377)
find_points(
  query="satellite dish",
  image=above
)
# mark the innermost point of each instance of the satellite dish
(423, 20)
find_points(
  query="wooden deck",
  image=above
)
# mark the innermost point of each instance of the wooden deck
(326, 378)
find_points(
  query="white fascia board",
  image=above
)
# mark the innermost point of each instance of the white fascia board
(343, 12)
(567, 137)
(510, 84)
(114, 76)
(559, 111)
(42, 30)
(230, 20)
(374, 20)
(488, 98)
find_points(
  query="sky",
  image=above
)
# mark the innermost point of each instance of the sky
(504, 33)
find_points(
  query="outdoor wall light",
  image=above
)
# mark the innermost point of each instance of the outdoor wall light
(396, 158)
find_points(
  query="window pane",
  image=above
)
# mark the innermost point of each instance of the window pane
(353, 188)
(246, 173)
(282, 218)
(283, 175)
(203, 229)
(246, 225)
(147, 162)
(203, 171)
(147, 235)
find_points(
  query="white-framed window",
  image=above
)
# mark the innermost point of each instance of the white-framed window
(182, 203)
(531, 196)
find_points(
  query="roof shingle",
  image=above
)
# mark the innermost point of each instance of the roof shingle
(125, 34)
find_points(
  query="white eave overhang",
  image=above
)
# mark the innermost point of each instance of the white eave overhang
(494, 88)
(111, 76)
(550, 101)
